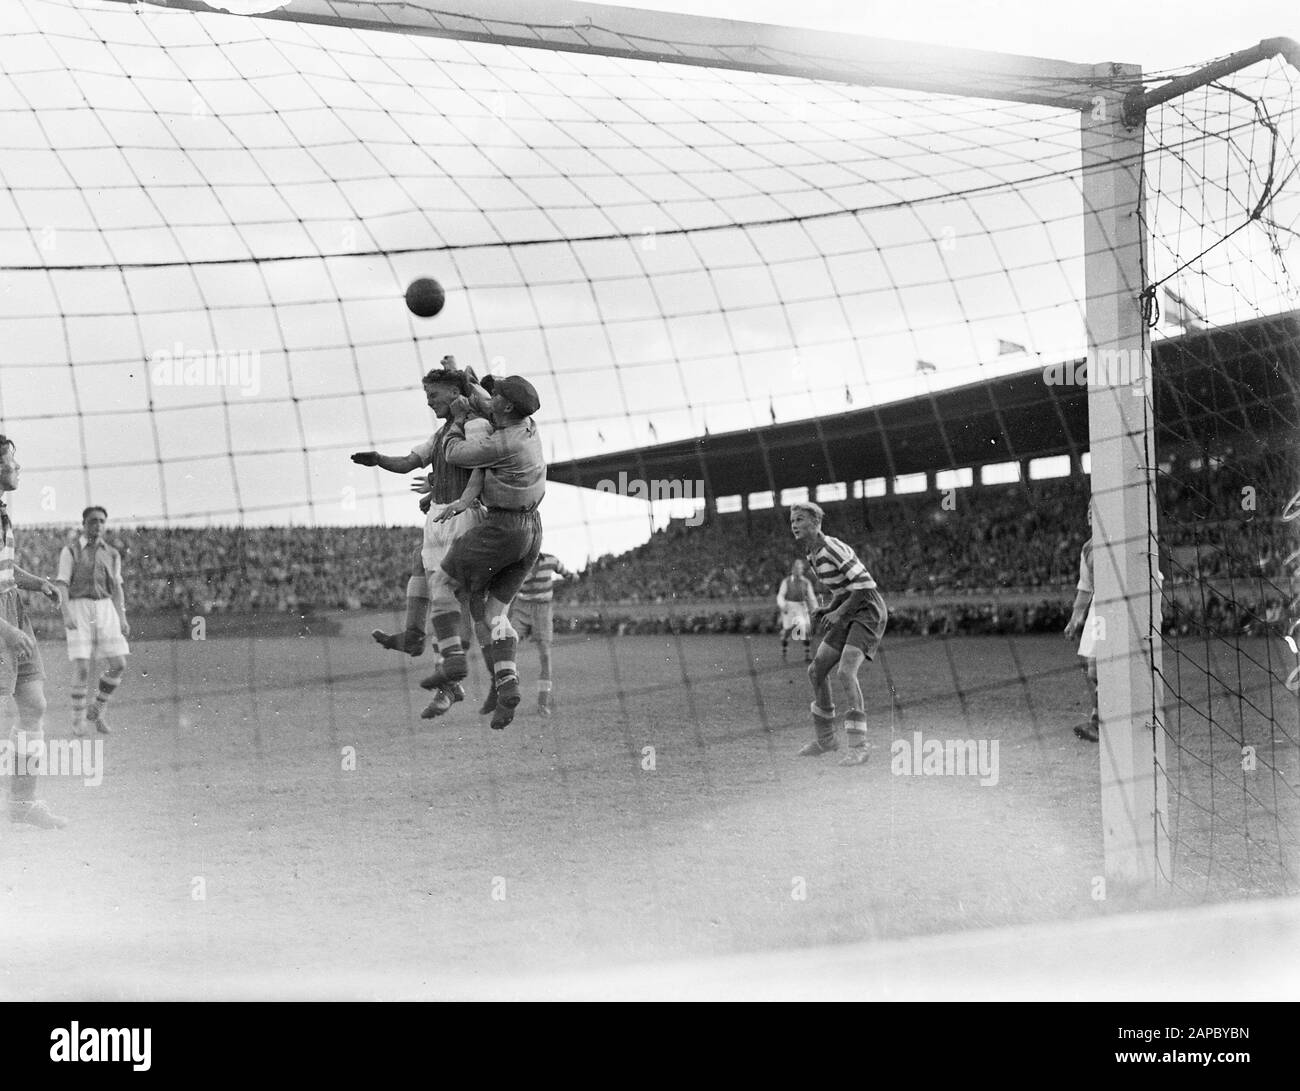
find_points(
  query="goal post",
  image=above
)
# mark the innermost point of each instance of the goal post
(1134, 793)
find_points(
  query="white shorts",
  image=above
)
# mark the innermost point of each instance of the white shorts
(1088, 638)
(795, 617)
(439, 536)
(98, 632)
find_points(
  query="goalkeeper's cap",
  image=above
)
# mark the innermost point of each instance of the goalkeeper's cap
(520, 393)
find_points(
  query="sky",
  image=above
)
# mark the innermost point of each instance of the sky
(147, 362)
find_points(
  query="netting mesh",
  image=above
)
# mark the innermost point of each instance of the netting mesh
(206, 226)
(1222, 235)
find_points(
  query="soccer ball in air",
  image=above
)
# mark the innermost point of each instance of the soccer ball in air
(425, 297)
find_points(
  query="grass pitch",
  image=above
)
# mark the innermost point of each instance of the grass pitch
(275, 820)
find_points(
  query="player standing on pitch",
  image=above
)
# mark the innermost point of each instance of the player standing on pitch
(495, 556)
(533, 610)
(22, 674)
(796, 600)
(852, 626)
(451, 507)
(1083, 624)
(94, 615)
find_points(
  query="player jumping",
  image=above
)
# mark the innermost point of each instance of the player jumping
(796, 600)
(852, 627)
(452, 507)
(495, 556)
(22, 674)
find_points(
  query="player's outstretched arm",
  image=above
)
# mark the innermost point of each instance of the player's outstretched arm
(395, 464)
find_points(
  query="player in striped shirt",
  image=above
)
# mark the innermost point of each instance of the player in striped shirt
(532, 615)
(22, 674)
(851, 629)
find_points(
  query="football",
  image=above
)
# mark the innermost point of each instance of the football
(425, 297)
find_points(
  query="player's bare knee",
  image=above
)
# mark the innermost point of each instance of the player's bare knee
(31, 704)
(443, 591)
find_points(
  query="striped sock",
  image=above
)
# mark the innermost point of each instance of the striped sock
(446, 631)
(505, 641)
(79, 692)
(855, 728)
(108, 683)
(545, 685)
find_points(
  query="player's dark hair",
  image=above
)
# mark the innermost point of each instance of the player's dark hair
(93, 507)
(455, 378)
(488, 383)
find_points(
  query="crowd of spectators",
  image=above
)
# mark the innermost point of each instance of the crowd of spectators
(985, 559)
(211, 570)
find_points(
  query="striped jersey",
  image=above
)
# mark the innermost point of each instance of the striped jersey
(838, 567)
(8, 552)
(538, 586)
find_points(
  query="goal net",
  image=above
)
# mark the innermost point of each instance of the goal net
(735, 286)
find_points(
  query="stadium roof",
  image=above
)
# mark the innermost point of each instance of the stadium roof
(1210, 385)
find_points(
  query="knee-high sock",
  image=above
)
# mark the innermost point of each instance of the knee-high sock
(824, 723)
(26, 744)
(79, 691)
(446, 631)
(855, 727)
(108, 683)
(417, 602)
(505, 642)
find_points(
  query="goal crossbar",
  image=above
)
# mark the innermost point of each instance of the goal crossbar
(637, 34)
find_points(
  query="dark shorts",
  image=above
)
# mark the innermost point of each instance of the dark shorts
(12, 670)
(864, 630)
(496, 555)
